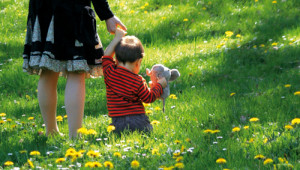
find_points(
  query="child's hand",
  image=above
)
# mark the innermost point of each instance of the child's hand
(120, 33)
(162, 81)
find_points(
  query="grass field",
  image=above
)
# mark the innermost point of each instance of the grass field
(238, 60)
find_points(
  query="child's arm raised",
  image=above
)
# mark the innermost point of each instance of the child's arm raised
(110, 50)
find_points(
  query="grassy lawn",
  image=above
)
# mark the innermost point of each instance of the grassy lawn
(238, 60)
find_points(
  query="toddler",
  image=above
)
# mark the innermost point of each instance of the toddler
(125, 89)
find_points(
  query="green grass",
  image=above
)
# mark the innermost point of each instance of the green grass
(210, 72)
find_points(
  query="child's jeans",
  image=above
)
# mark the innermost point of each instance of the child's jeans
(138, 122)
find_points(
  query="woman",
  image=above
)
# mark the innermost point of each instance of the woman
(62, 38)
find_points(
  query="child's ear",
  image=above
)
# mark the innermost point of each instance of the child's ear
(174, 74)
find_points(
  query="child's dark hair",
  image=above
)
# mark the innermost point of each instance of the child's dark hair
(129, 49)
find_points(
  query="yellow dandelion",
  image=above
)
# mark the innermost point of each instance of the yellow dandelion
(296, 121)
(59, 160)
(274, 2)
(30, 163)
(97, 165)
(204, 8)
(2, 121)
(93, 154)
(185, 20)
(255, 46)
(297, 93)
(2, 114)
(8, 163)
(281, 160)
(287, 85)
(155, 122)
(254, 119)
(251, 140)
(182, 148)
(108, 164)
(170, 6)
(89, 164)
(81, 151)
(145, 12)
(228, 33)
(155, 152)
(274, 44)
(157, 108)
(177, 141)
(9, 120)
(91, 132)
(117, 154)
(111, 128)
(180, 158)
(259, 156)
(146, 4)
(188, 139)
(208, 131)
(132, 11)
(27, 97)
(262, 45)
(172, 95)
(232, 94)
(215, 131)
(65, 116)
(30, 118)
(23, 151)
(238, 35)
(268, 161)
(59, 118)
(71, 150)
(142, 7)
(82, 131)
(176, 154)
(33, 153)
(149, 111)
(179, 165)
(135, 164)
(288, 127)
(246, 127)
(236, 129)
(163, 18)
(256, 0)
(265, 140)
(221, 161)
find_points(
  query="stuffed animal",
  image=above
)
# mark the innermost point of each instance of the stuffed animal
(159, 70)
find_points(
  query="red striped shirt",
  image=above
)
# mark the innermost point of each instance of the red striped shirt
(125, 91)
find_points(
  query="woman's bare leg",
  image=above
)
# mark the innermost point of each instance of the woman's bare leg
(74, 101)
(47, 96)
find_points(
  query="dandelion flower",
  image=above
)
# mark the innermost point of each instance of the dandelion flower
(268, 161)
(176, 154)
(146, 4)
(91, 132)
(2, 114)
(180, 158)
(232, 94)
(163, 18)
(93, 154)
(215, 131)
(254, 119)
(65, 116)
(149, 112)
(89, 164)
(287, 85)
(155, 152)
(108, 164)
(71, 150)
(82, 131)
(30, 163)
(228, 33)
(179, 165)
(177, 141)
(145, 12)
(111, 128)
(288, 127)
(274, 44)
(172, 96)
(204, 8)
(23, 151)
(238, 35)
(251, 140)
(30, 118)
(236, 129)
(188, 139)
(59, 160)
(117, 154)
(259, 156)
(155, 122)
(297, 93)
(59, 118)
(146, 104)
(8, 163)
(221, 161)
(142, 7)
(246, 127)
(97, 164)
(170, 6)
(274, 2)
(35, 153)
(265, 140)
(262, 45)
(132, 11)
(208, 131)
(135, 164)
(157, 108)
(27, 97)
(296, 121)
(2, 121)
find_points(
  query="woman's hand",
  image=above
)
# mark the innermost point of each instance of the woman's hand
(112, 24)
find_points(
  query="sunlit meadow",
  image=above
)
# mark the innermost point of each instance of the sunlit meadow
(235, 106)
